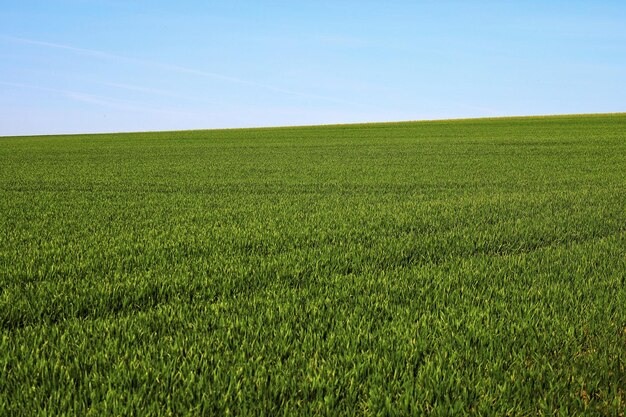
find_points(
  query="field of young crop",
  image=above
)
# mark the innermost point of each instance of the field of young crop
(451, 267)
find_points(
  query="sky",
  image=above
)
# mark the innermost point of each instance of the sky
(77, 66)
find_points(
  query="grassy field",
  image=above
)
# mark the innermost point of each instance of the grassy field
(452, 267)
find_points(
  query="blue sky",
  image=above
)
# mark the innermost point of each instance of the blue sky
(72, 66)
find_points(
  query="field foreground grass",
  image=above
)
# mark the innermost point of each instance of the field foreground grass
(454, 267)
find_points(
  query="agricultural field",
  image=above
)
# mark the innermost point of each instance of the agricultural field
(467, 267)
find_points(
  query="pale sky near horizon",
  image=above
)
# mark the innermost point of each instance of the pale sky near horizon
(74, 66)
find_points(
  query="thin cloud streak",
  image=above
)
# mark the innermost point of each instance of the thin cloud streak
(59, 46)
(180, 69)
(154, 91)
(93, 99)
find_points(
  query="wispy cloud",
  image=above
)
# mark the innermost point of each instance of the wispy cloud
(343, 41)
(93, 99)
(154, 91)
(179, 69)
(83, 51)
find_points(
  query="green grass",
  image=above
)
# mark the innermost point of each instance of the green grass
(452, 267)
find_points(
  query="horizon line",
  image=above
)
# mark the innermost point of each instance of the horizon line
(452, 119)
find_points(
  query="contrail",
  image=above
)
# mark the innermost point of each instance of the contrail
(59, 46)
(154, 91)
(179, 69)
(92, 99)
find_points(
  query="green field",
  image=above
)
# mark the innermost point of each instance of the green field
(449, 267)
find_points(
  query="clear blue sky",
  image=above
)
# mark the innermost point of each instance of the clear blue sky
(69, 66)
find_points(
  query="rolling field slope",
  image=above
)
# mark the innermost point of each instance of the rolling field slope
(451, 267)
